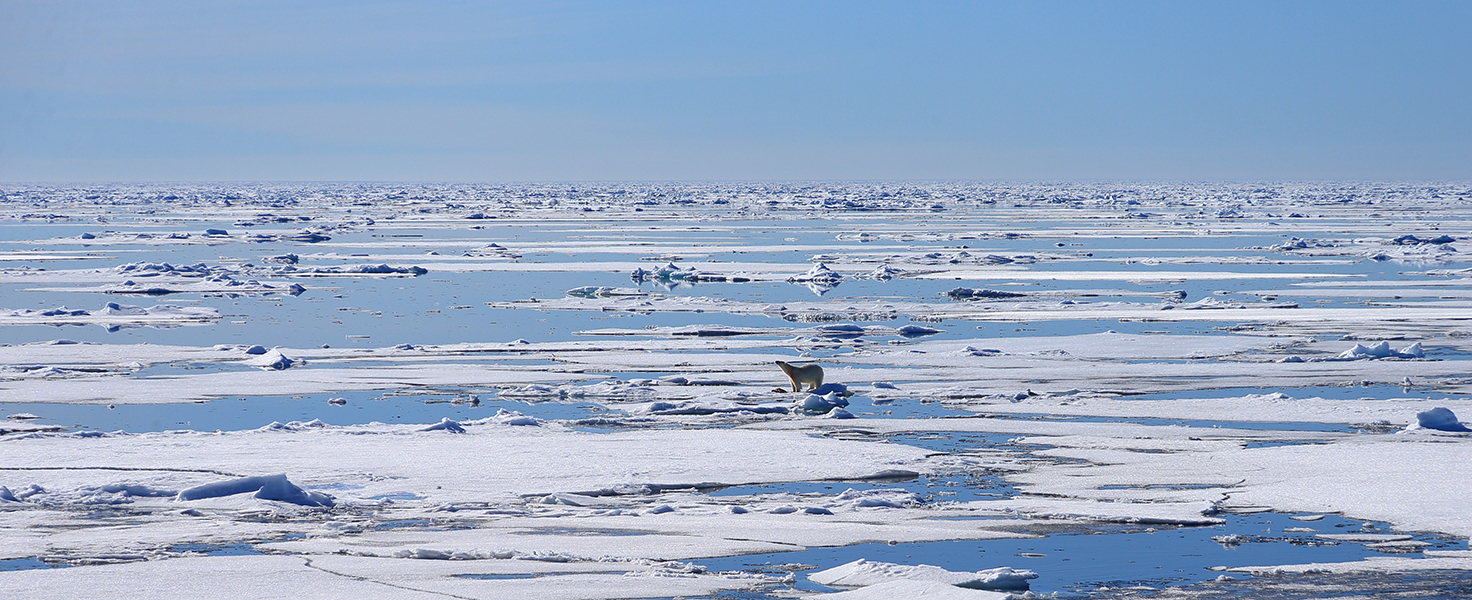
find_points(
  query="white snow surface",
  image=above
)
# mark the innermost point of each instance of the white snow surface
(349, 577)
(1293, 329)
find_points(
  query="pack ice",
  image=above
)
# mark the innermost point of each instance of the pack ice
(1003, 363)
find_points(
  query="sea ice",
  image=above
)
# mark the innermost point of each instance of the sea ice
(508, 417)
(1440, 419)
(446, 425)
(275, 360)
(267, 487)
(906, 588)
(114, 314)
(701, 359)
(1382, 350)
(815, 404)
(864, 573)
(831, 388)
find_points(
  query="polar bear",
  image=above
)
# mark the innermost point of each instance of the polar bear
(809, 374)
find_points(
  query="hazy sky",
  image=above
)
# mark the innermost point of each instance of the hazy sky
(705, 90)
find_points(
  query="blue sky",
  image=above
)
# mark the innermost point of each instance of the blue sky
(711, 90)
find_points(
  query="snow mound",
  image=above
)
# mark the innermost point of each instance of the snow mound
(379, 269)
(274, 360)
(913, 330)
(671, 274)
(832, 388)
(266, 487)
(115, 309)
(446, 425)
(962, 293)
(294, 425)
(839, 413)
(1440, 419)
(706, 407)
(113, 312)
(1382, 350)
(506, 417)
(885, 273)
(815, 404)
(905, 588)
(866, 573)
(612, 389)
(820, 273)
(595, 291)
(884, 498)
(841, 329)
(1410, 239)
(571, 499)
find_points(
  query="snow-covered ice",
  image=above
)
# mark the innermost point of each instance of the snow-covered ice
(1104, 355)
(861, 573)
(265, 487)
(1439, 418)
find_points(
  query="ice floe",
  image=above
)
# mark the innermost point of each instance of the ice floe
(1382, 350)
(1227, 386)
(267, 487)
(1440, 419)
(862, 573)
(113, 314)
(908, 588)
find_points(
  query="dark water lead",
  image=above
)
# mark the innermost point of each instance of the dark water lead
(1077, 562)
(29, 563)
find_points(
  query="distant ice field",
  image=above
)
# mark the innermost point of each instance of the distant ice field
(569, 391)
